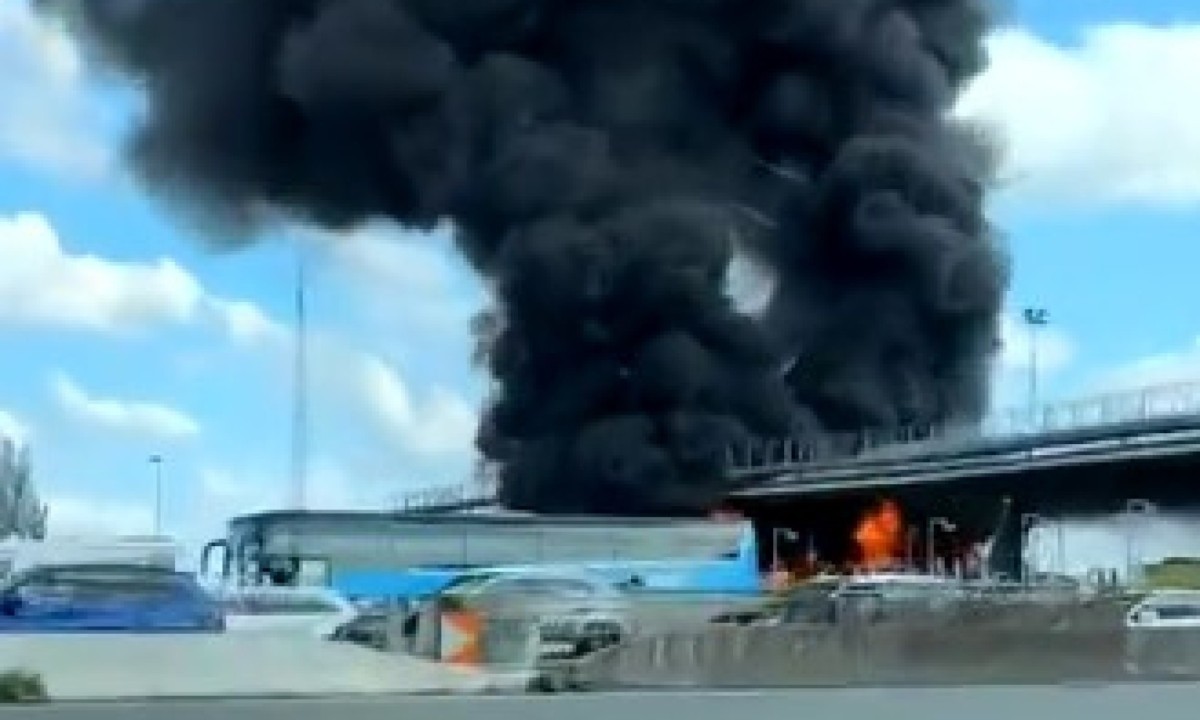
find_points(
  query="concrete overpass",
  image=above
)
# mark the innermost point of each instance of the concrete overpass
(1089, 457)
(1158, 425)
(1158, 422)
(1079, 458)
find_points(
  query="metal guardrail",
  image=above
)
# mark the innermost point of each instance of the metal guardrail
(481, 490)
(453, 496)
(781, 455)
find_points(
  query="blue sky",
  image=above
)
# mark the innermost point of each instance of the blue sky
(125, 337)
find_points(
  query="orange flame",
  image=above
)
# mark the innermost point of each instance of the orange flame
(880, 536)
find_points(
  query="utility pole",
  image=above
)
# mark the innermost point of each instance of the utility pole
(157, 462)
(1035, 319)
(300, 392)
(1135, 510)
(1030, 562)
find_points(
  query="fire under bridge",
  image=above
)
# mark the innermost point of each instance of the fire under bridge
(1122, 452)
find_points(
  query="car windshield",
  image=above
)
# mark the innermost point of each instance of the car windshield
(84, 583)
(467, 584)
(545, 585)
(1176, 612)
(531, 584)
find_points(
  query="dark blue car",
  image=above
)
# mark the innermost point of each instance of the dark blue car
(106, 598)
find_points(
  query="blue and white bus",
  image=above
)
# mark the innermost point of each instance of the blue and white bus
(401, 556)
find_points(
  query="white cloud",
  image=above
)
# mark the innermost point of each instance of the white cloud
(49, 118)
(227, 492)
(196, 511)
(390, 257)
(404, 278)
(127, 416)
(367, 390)
(72, 514)
(371, 394)
(1113, 119)
(43, 285)
(443, 423)
(1167, 368)
(222, 492)
(245, 323)
(13, 428)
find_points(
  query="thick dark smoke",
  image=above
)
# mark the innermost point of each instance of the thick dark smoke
(602, 161)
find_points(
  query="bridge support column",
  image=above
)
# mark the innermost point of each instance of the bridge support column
(1008, 542)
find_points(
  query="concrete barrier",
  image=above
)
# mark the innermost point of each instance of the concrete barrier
(229, 665)
(973, 645)
(655, 613)
(1163, 652)
(727, 656)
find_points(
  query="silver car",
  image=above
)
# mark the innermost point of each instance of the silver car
(576, 612)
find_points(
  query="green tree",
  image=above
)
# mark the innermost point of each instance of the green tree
(22, 513)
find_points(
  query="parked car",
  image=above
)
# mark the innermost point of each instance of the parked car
(1165, 610)
(315, 611)
(824, 599)
(1160, 634)
(370, 629)
(106, 598)
(577, 612)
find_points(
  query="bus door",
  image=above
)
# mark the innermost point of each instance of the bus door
(209, 568)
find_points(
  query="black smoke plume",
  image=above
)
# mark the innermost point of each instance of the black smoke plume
(602, 162)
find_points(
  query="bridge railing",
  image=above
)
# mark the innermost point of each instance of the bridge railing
(764, 456)
(770, 455)
(447, 497)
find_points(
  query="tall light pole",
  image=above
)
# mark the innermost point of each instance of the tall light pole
(1061, 532)
(1134, 509)
(299, 459)
(910, 549)
(157, 462)
(1035, 319)
(1029, 521)
(777, 534)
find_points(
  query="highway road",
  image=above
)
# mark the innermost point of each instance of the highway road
(1144, 701)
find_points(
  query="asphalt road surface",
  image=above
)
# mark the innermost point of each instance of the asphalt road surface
(1145, 701)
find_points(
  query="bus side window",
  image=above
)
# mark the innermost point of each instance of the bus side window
(313, 571)
(281, 572)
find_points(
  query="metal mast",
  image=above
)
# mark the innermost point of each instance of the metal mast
(300, 393)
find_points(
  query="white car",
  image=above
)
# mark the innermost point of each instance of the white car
(306, 610)
(1166, 609)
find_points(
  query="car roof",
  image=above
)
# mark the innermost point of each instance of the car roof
(1172, 594)
(301, 592)
(82, 571)
(99, 568)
